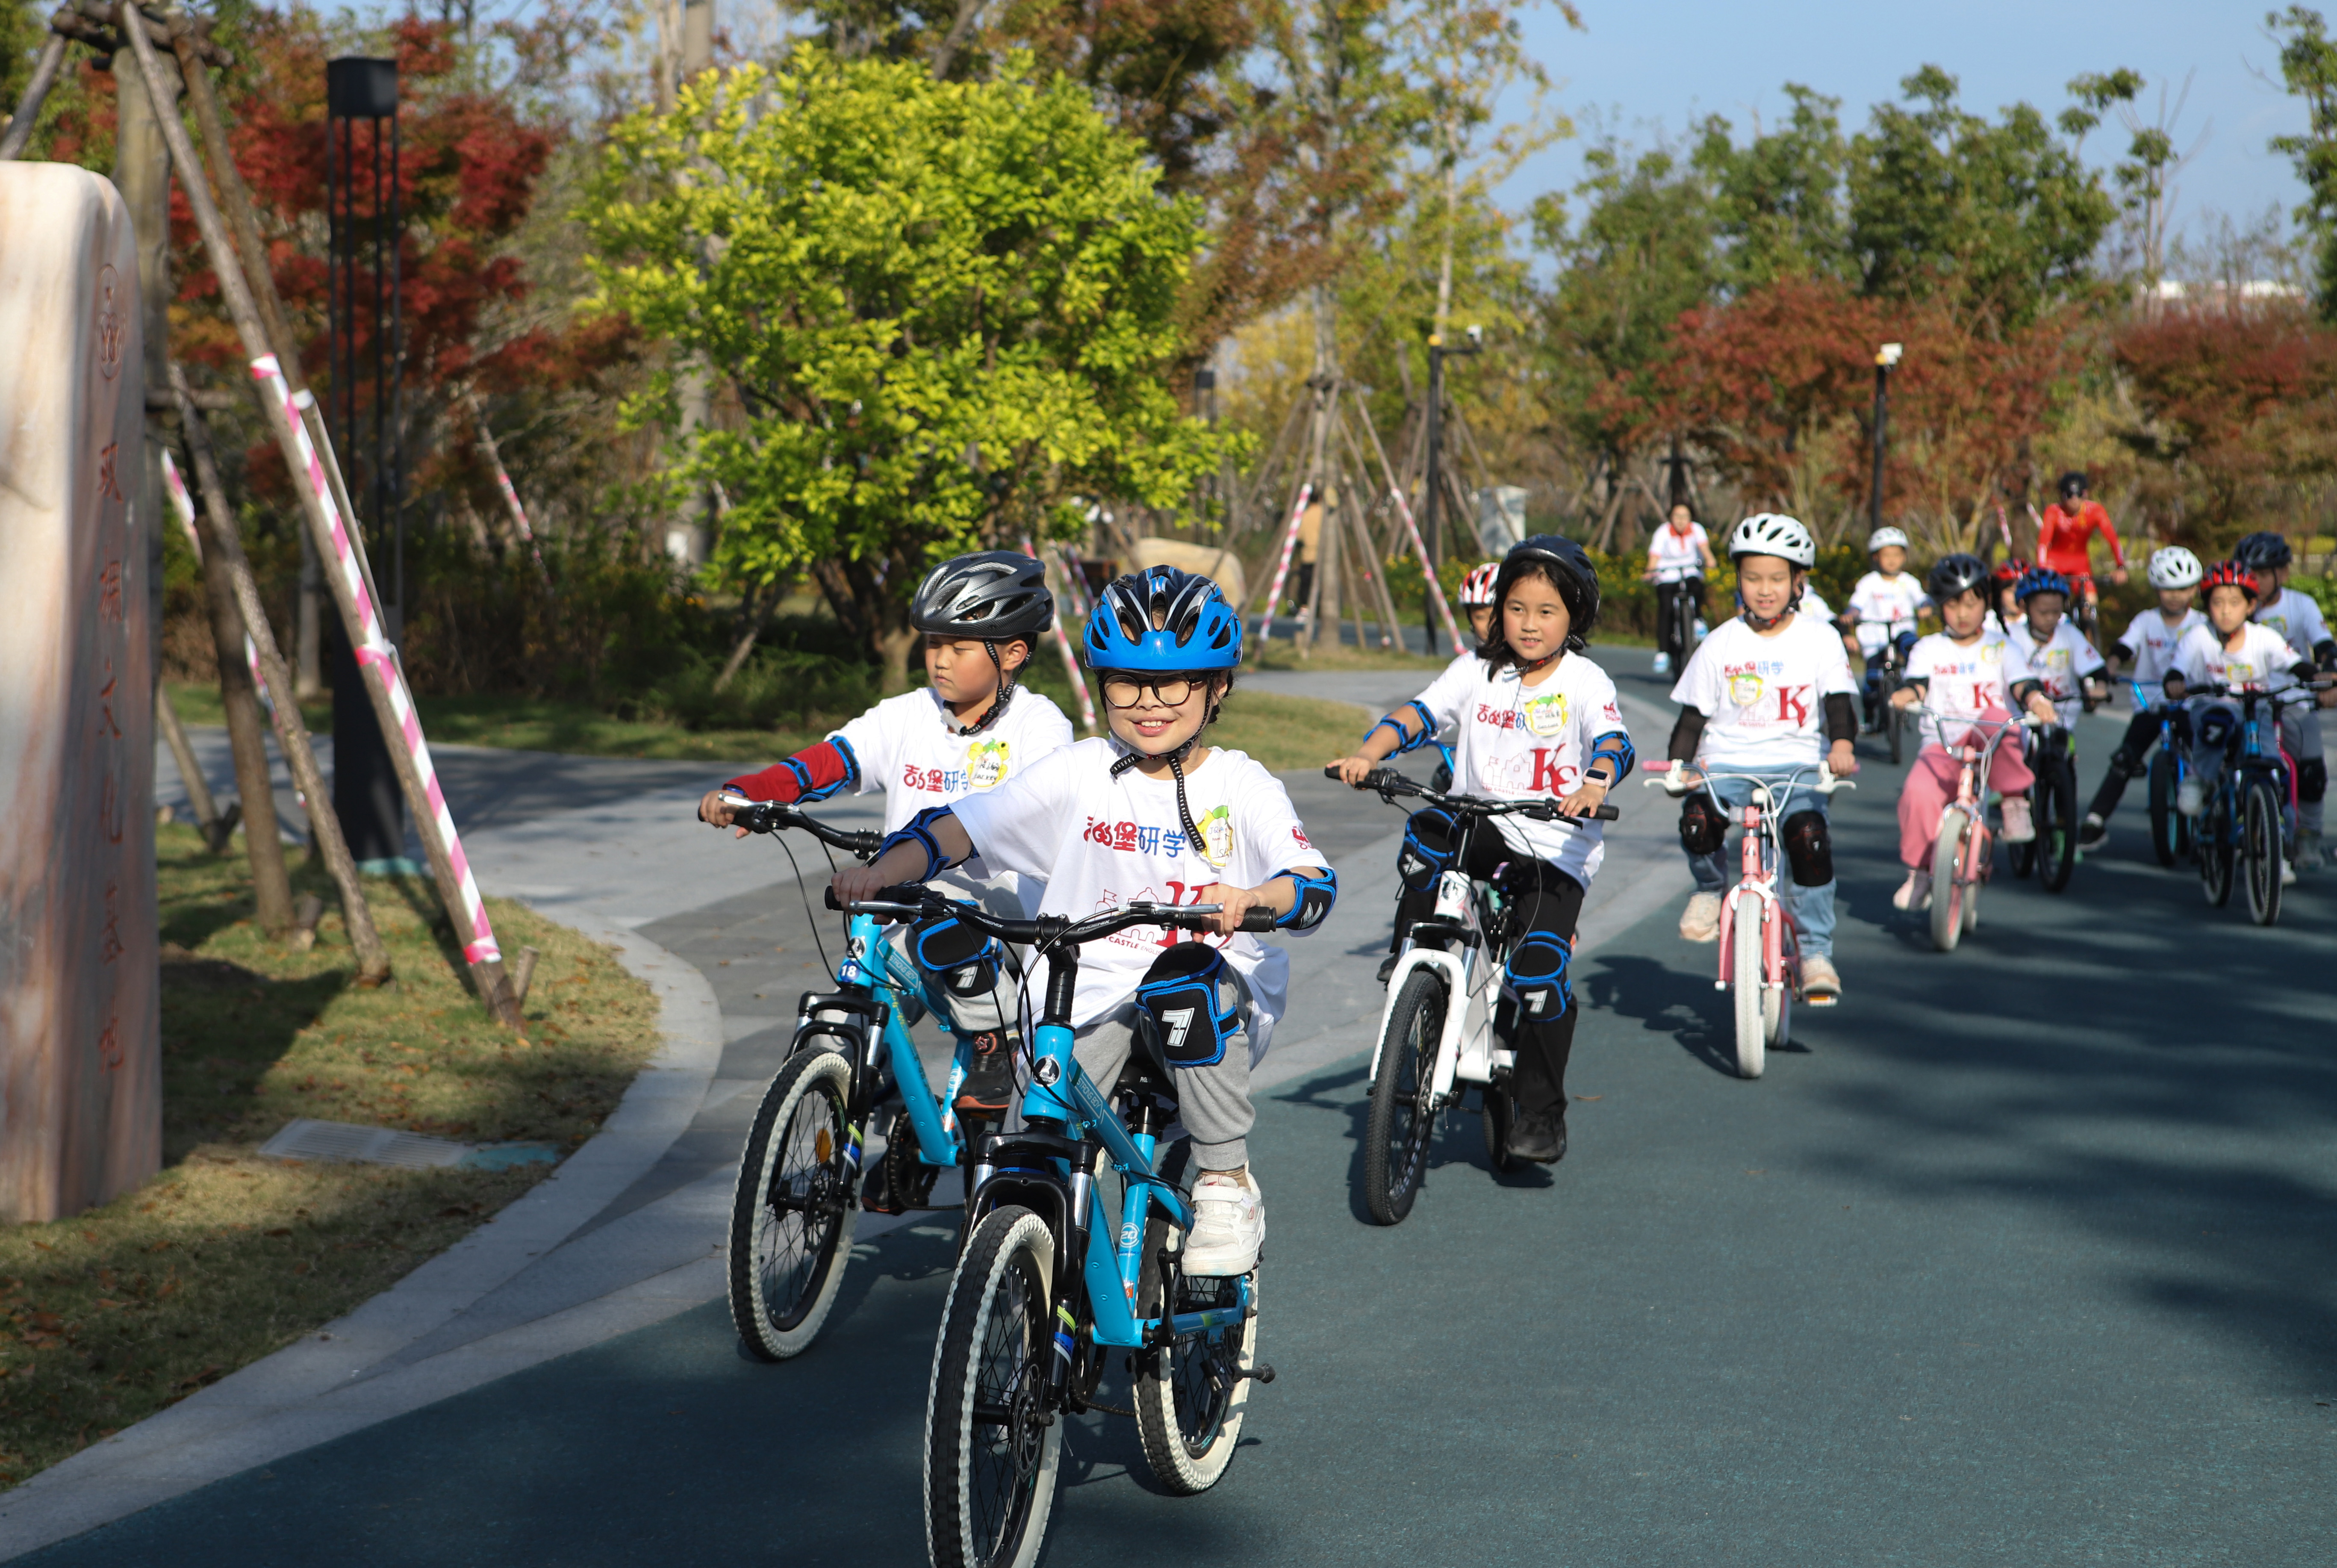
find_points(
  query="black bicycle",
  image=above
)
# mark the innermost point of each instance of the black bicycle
(2052, 855)
(1883, 677)
(1676, 626)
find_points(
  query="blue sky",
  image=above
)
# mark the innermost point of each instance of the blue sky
(1649, 67)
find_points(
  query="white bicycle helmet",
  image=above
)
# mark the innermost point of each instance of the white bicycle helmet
(1775, 533)
(2175, 567)
(1883, 536)
(1477, 588)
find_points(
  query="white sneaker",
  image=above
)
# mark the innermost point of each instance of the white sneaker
(2309, 856)
(2020, 828)
(1663, 663)
(2287, 874)
(1821, 984)
(2189, 798)
(1915, 893)
(1228, 1226)
(1700, 921)
(1702, 631)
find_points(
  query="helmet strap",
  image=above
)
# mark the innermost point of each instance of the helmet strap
(999, 699)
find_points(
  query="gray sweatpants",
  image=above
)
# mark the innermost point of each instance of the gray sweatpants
(2300, 731)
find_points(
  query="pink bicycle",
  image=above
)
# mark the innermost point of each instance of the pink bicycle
(1760, 940)
(1965, 850)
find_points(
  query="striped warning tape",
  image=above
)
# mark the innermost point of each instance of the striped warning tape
(373, 648)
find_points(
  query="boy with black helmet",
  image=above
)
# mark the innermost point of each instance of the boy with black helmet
(2298, 621)
(968, 730)
(1149, 813)
(1770, 694)
(1532, 717)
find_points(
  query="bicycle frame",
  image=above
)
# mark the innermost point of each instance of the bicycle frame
(2253, 759)
(1759, 856)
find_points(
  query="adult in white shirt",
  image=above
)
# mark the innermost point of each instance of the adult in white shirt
(1768, 697)
(1679, 558)
(2298, 620)
(968, 731)
(2148, 646)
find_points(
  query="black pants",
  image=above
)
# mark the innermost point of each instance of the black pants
(1542, 899)
(1666, 595)
(2126, 763)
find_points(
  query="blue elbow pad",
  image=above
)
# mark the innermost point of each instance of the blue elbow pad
(1316, 896)
(919, 831)
(1616, 746)
(1407, 742)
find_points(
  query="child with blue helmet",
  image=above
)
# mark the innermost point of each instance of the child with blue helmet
(1148, 812)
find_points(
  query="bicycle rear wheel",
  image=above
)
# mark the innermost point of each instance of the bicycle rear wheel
(1778, 1005)
(2057, 826)
(1191, 1393)
(1396, 1133)
(2261, 844)
(2165, 822)
(1894, 729)
(2212, 841)
(1495, 1117)
(990, 1464)
(1745, 988)
(1948, 888)
(792, 1216)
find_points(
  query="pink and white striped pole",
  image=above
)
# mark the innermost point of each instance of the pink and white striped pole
(184, 505)
(1070, 660)
(374, 652)
(1435, 589)
(1282, 567)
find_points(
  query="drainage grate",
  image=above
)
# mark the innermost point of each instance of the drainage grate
(338, 1141)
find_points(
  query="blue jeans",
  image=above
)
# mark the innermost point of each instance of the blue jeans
(1811, 906)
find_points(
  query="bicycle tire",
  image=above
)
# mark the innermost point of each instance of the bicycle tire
(1191, 1395)
(1777, 1007)
(2056, 826)
(1892, 729)
(990, 1467)
(1745, 988)
(1948, 888)
(2212, 844)
(784, 1272)
(2260, 830)
(2165, 822)
(1495, 1117)
(1396, 1132)
(1978, 845)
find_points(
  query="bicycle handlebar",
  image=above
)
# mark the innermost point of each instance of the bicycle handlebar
(770, 815)
(909, 901)
(1670, 774)
(1387, 783)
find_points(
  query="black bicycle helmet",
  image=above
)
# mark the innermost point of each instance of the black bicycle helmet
(993, 596)
(1957, 573)
(2263, 551)
(1578, 581)
(2073, 484)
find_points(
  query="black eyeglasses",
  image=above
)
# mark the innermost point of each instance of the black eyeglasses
(1125, 691)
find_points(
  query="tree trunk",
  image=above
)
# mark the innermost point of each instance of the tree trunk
(271, 886)
(895, 645)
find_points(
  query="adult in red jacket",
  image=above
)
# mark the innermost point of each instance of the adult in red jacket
(2064, 535)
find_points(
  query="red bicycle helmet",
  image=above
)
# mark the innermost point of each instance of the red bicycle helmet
(2228, 574)
(2010, 570)
(1477, 588)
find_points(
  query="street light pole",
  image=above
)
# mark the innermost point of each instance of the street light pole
(1884, 358)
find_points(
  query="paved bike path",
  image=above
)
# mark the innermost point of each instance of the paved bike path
(2022, 1255)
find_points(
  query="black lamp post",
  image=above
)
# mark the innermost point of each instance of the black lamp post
(1884, 358)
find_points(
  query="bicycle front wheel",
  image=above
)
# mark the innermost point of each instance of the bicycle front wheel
(2165, 823)
(1778, 1005)
(2261, 842)
(2056, 826)
(1744, 989)
(1894, 729)
(2212, 841)
(1948, 886)
(1396, 1133)
(792, 1217)
(1192, 1393)
(992, 1450)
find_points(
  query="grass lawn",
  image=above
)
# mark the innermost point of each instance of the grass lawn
(224, 1257)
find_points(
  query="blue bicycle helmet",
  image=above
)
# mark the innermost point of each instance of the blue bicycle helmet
(2039, 580)
(1196, 630)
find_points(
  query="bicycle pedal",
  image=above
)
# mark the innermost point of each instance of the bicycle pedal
(1261, 1372)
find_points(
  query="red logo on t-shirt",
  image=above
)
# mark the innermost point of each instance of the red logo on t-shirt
(1793, 704)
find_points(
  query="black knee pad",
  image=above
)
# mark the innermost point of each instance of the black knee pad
(1703, 826)
(955, 957)
(1190, 1003)
(1537, 973)
(2128, 763)
(1427, 851)
(2312, 778)
(1809, 850)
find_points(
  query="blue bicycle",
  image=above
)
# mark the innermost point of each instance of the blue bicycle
(2248, 820)
(801, 1185)
(1055, 1275)
(2170, 830)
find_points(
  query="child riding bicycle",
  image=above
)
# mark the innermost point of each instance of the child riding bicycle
(1769, 693)
(969, 730)
(1678, 559)
(1970, 671)
(2298, 619)
(1883, 607)
(1149, 813)
(1534, 717)
(2149, 645)
(2064, 665)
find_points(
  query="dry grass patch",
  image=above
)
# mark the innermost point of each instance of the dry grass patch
(110, 1316)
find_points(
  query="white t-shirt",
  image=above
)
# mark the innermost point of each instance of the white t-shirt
(1676, 558)
(1966, 680)
(2261, 663)
(2058, 664)
(1100, 842)
(1885, 606)
(2152, 642)
(1763, 697)
(1521, 743)
(2297, 618)
(1813, 602)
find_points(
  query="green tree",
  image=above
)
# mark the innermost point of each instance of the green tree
(946, 308)
(1777, 200)
(2001, 216)
(2308, 67)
